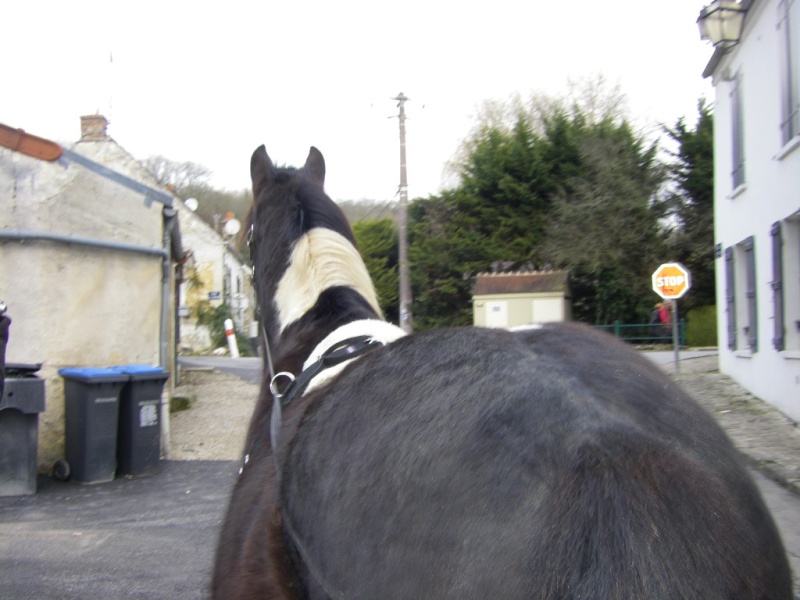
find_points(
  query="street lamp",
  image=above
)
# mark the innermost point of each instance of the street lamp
(722, 22)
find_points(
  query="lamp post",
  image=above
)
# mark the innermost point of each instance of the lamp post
(722, 22)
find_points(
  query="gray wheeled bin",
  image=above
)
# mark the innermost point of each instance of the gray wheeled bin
(21, 402)
(91, 413)
(139, 433)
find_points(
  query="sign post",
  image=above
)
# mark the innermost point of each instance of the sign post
(671, 281)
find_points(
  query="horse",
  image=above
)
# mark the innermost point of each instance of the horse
(547, 462)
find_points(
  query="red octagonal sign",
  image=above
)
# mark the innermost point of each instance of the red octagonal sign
(671, 281)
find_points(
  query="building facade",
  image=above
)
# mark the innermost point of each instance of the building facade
(757, 201)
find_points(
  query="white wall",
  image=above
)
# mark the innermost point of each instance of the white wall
(771, 193)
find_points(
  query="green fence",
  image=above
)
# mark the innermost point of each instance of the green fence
(644, 333)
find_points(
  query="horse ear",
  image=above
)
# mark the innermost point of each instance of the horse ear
(315, 166)
(261, 170)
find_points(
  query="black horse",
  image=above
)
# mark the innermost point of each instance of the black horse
(553, 462)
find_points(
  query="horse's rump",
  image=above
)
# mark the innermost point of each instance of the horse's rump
(480, 463)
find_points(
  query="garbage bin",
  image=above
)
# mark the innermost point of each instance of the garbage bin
(139, 432)
(91, 412)
(20, 404)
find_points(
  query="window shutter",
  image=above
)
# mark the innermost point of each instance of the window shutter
(737, 125)
(752, 307)
(779, 339)
(730, 298)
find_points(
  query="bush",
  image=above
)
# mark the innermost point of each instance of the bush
(701, 326)
(214, 320)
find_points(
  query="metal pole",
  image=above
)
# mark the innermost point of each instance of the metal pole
(405, 281)
(676, 336)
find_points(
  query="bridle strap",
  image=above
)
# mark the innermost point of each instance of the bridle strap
(338, 353)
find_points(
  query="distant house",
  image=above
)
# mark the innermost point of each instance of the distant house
(520, 298)
(88, 249)
(213, 274)
(757, 198)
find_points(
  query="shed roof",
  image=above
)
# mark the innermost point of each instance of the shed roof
(525, 282)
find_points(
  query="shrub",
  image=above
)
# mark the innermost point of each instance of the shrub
(701, 326)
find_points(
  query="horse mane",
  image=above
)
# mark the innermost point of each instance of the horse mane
(321, 259)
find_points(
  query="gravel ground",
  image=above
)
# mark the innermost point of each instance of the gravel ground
(215, 425)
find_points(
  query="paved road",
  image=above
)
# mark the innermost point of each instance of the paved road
(248, 369)
(147, 537)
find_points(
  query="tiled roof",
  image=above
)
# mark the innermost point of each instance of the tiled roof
(526, 282)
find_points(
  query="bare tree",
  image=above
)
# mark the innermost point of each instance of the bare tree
(176, 175)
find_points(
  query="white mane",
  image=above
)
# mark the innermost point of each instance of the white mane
(320, 259)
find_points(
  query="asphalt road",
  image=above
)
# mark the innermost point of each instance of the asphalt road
(248, 369)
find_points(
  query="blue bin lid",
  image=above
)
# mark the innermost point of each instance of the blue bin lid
(93, 374)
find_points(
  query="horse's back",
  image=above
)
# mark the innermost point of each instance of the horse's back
(551, 463)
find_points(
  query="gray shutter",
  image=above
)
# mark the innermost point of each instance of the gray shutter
(737, 115)
(752, 306)
(779, 339)
(730, 298)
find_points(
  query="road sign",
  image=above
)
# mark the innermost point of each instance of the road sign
(671, 281)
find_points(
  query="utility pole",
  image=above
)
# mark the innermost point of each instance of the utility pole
(402, 219)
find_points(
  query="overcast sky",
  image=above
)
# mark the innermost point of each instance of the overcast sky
(209, 82)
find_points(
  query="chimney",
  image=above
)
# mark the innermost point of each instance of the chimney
(93, 128)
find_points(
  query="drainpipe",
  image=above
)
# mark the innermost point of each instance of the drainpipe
(172, 247)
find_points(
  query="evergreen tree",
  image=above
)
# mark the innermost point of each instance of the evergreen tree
(379, 247)
(558, 187)
(692, 204)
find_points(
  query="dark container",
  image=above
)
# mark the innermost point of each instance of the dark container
(91, 413)
(139, 432)
(21, 402)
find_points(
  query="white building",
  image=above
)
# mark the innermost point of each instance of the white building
(213, 274)
(757, 197)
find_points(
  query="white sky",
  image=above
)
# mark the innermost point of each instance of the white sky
(209, 82)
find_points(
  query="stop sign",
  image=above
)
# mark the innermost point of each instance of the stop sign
(671, 281)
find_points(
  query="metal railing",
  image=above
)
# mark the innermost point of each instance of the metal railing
(644, 333)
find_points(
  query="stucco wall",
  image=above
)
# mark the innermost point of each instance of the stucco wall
(72, 305)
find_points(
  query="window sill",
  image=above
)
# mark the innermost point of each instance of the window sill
(788, 148)
(738, 191)
(743, 353)
(790, 354)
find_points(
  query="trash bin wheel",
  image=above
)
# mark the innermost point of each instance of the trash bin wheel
(61, 470)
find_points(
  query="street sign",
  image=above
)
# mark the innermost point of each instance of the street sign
(671, 281)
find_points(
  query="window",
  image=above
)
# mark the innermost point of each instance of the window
(737, 125)
(788, 20)
(741, 297)
(786, 283)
